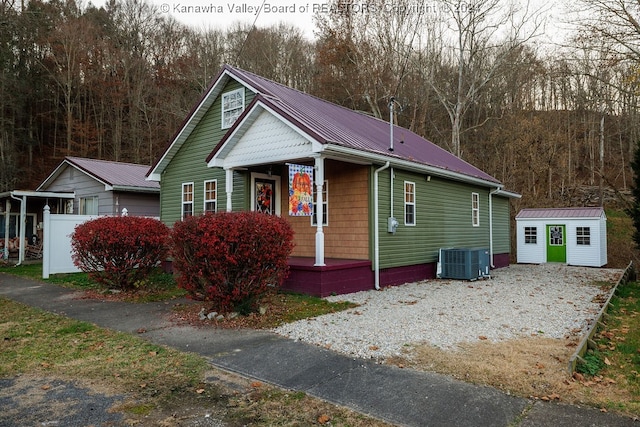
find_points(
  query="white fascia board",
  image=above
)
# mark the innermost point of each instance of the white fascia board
(53, 175)
(135, 189)
(20, 193)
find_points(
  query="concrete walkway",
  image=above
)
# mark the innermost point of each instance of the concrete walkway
(400, 396)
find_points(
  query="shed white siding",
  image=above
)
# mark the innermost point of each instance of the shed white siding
(593, 254)
(531, 253)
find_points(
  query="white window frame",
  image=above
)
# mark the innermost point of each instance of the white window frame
(583, 236)
(325, 206)
(184, 202)
(230, 110)
(213, 200)
(82, 205)
(475, 209)
(410, 203)
(530, 235)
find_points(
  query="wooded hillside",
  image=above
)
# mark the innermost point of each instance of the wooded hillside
(558, 124)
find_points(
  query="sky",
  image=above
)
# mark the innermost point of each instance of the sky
(220, 14)
(205, 14)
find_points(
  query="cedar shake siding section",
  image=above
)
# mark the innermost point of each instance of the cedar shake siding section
(347, 234)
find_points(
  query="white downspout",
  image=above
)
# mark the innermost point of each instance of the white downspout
(391, 181)
(491, 193)
(376, 225)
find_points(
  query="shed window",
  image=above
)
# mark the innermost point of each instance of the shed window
(583, 235)
(232, 107)
(409, 203)
(211, 196)
(531, 235)
(187, 199)
(88, 205)
(475, 209)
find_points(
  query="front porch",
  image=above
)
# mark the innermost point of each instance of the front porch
(342, 276)
(338, 276)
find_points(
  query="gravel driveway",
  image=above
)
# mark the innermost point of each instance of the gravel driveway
(552, 300)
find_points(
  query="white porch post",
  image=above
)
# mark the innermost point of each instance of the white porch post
(7, 218)
(229, 188)
(46, 246)
(319, 178)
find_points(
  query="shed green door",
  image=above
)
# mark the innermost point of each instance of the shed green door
(556, 243)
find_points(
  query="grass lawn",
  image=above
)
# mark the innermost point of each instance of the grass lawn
(534, 368)
(162, 386)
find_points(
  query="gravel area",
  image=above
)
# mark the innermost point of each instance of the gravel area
(551, 300)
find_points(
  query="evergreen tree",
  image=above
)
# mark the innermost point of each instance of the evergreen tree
(634, 209)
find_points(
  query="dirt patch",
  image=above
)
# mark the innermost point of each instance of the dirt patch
(535, 368)
(53, 401)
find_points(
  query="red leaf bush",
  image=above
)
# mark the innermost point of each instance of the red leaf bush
(232, 259)
(119, 252)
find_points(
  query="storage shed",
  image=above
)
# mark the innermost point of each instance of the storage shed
(575, 236)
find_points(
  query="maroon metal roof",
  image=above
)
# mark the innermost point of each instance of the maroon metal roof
(333, 124)
(586, 212)
(116, 174)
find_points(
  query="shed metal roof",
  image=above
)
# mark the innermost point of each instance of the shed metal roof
(539, 213)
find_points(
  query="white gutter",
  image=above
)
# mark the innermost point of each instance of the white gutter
(491, 193)
(376, 225)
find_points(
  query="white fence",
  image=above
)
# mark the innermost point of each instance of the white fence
(56, 242)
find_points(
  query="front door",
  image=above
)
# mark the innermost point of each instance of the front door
(556, 243)
(265, 196)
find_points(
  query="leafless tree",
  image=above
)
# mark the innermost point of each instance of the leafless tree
(475, 43)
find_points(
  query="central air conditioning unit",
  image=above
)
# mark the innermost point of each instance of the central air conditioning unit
(464, 263)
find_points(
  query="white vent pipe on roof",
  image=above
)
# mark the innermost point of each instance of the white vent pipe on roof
(391, 102)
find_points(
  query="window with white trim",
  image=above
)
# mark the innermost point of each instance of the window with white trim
(583, 236)
(187, 199)
(88, 205)
(531, 235)
(232, 107)
(409, 203)
(211, 196)
(475, 209)
(325, 206)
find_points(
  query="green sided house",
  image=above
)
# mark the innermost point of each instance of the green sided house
(384, 200)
